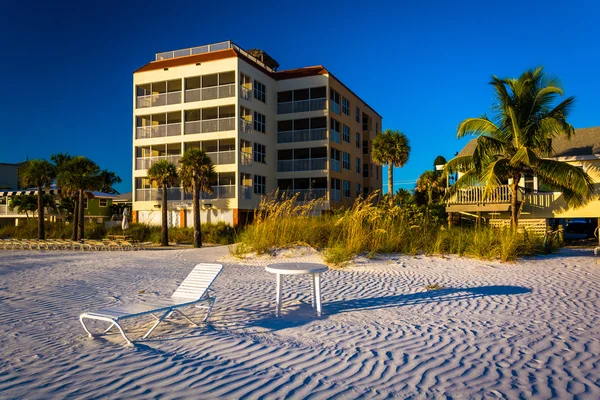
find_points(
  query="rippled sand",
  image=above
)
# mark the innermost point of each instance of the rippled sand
(529, 329)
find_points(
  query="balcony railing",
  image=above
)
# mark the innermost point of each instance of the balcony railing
(154, 131)
(245, 158)
(177, 194)
(146, 162)
(474, 195)
(336, 165)
(210, 93)
(246, 192)
(159, 99)
(336, 195)
(222, 157)
(335, 107)
(305, 194)
(304, 135)
(193, 50)
(245, 126)
(301, 106)
(307, 164)
(335, 136)
(210, 125)
(246, 93)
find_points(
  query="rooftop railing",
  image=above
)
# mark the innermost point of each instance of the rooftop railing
(190, 51)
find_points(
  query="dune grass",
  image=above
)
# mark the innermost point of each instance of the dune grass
(367, 228)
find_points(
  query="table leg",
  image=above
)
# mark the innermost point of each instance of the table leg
(278, 301)
(318, 292)
(314, 291)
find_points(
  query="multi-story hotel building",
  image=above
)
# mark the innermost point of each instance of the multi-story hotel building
(299, 130)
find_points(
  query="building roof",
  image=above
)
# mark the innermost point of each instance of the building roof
(236, 51)
(13, 164)
(123, 198)
(585, 142)
(52, 190)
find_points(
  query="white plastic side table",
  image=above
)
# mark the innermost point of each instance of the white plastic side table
(314, 270)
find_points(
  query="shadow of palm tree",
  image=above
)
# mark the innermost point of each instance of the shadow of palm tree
(303, 314)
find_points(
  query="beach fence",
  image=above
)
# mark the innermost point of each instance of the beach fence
(533, 226)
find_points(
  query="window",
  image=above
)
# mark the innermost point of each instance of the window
(260, 91)
(345, 106)
(365, 170)
(357, 140)
(259, 122)
(377, 128)
(346, 189)
(365, 147)
(357, 165)
(346, 134)
(334, 101)
(260, 153)
(103, 202)
(260, 184)
(358, 190)
(346, 163)
(357, 115)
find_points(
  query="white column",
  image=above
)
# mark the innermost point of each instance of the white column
(278, 300)
(318, 292)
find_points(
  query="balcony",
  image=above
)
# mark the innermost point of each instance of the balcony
(222, 157)
(146, 162)
(211, 125)
(246, 192)
(336, 195)
(177, 194)
(305, 135)
(245, 126)
(193, 50)
(474, 195)
(307, 164)
(335, 136)
(305, 194)
(159, 99)
(155, 131)
(336, 165)
(302, 106)
(210, 93)
(246, 93)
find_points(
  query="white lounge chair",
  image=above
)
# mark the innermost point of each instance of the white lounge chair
(193, 290)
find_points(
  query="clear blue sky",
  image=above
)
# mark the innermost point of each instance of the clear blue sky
(424, 66)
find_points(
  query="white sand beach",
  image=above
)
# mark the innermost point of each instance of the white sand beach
(529, 329)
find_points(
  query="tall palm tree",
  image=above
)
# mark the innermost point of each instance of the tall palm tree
(164, 173)
(39, 174)
(517, 140)
(60, 161)
(391, 148)
(195, 173)
(431, 183)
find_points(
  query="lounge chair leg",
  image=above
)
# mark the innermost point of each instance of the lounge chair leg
(212, 302)
(113, 323)
(161, 319)
(85, 327)
(109, 328)
(186, 318)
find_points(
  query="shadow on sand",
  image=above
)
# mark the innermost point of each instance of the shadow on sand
(300, 314)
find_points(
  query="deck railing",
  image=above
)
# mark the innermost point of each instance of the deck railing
(303, 135)
(210, 93)
(154, 131)
(177, 194)
(159, 99)
(475, 195)
(146, 162)
(302, 106)
(306, 164)
(222, 157)
(210, 125)
(305, 194)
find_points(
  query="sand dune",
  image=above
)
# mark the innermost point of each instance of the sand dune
(529, 329)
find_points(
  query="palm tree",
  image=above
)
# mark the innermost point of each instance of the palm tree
(432, 183)
(40, 174)
(78, 177)
(195, 172)
(164, 173)
(517, 140)
(391, 148)
(108, 180)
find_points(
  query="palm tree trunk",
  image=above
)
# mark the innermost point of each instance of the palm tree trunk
(165, 216)
(196, 216)
(391, 183)
(514, 211)
(75, 217)
(40, 214)
(81, 221)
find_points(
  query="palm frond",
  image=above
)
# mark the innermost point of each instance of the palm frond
(576, 185)
(458, 164)
(477, 126)
(468, 179)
